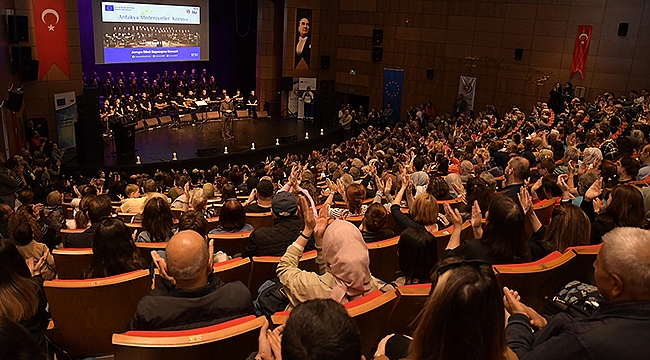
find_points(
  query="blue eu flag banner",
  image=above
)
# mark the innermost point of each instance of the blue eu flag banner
(393, 80)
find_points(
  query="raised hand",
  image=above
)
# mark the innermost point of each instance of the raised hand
(161, 264)
(321, 225)
(453, 215)
(477, 215)
(525, 199)
(594, 190)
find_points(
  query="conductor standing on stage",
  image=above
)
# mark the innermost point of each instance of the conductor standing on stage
(308, 100)
(227, 108)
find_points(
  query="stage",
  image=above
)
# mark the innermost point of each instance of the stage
(156, 146)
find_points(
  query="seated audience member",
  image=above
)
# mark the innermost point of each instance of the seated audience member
(5, 214)
(134, 203)
(343, 263)
(150, 189)
(99, 208)
(569, 227)
(644, 167)
(264, 195)
(81, 220)
(465, 170)
(423, 211)
(479, 191)
(439, 188)
(193, 220)
(627, 169)
(30, 249)
(114, 251)
(624, 208)
(182, 187)
(417, 254)
(373, 225)
(190, 295)
(199, 203)
(232, 219)
(23, 299)
(319, 329)
(546, 166)
(54, 216)
(616, 330)
(16, 342)
(463, 318)
(354, 195)
(157, 221)
(273, 241)
(515, 173)
(455, 185)
(504, 240)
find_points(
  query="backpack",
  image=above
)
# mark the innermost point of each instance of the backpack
(271, 298)
(576, 299)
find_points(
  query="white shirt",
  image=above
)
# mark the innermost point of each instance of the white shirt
(301, 45)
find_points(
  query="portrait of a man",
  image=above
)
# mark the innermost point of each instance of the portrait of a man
(303, 39)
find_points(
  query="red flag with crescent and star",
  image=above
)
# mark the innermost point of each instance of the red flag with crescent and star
(581, 49)
(51, 29)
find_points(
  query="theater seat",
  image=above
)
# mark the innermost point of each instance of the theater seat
(258, 220)
(384, 262)
(585, 258)
(544, 210)
(145, 248)
(233, 270)
(70, 263)
(410, 301)
(230, 243)
(538, 281)
(264, 268)
(65, 232)
(86, 313)
(442, 237)
(213, 222)
(369, 313)
(235, 339)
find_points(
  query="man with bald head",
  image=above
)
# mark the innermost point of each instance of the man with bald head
(190, 295)
(515, 173)
(617, 330)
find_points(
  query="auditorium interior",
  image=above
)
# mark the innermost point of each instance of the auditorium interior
(349, 178)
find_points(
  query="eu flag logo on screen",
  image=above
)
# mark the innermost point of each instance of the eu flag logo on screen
(393, 79)
(109, 8)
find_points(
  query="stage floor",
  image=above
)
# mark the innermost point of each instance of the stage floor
(157, 145)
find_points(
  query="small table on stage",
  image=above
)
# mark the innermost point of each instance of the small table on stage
(252, 110)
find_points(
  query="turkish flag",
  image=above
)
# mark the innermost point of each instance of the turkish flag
(581, 49)
(51, 36)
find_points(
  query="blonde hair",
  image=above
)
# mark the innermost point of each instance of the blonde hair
(425, 209)
(130, 189)
(199, 200)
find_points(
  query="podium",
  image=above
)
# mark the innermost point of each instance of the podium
(124, 137)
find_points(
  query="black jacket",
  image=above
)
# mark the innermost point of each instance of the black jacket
(617, 330)
(83, 240)
(167, 308)
(274, 240)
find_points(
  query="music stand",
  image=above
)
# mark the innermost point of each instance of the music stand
(252, 109)
(202, 105)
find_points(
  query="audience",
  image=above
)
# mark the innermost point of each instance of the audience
(190, 295)
(29, 248)
(114, 251)
(232, 219)
(157, 221)
(99, 208)
(260, 198)
(373, 225)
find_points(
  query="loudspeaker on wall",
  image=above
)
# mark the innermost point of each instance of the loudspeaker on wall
(519, 53)
(377, 36)
(17, 28)
(325, 62)
(377, 54)
(622, 29)
(430, 73)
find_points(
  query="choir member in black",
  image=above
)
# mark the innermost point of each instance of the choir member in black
(174, 81)
(227, 111)
(155, 88)
(145, 76)
(118, 111)
(190, 102)
(184, 78)
(176, 102)
(132, 107)
(165, 77)
(193, 86)
(166, 89)
(105, 113)
(121, 76)
(133, 77)
(133, 87)
(109, 76)
(145, 106)
(160, 103)
(204, 95)
(212, 87)
(119, 90)
(146, 87)
(107, 88)
(194, 76)
(252, 101)
(204, 76)
(181, 87)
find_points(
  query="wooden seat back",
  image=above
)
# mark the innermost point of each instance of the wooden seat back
(456, 203)
(544, 210)
(235, 339)
(264, 268)
(230, 243)
(392, 224)
(539, 281)
(442, 237)
(65, 232)
(145, 248)
(86, 313)
(410, 301)
(70, 263)
(213, 222)
(585, 258)
(384, 262)
(176, 213)
(258, 220)
(233, 270)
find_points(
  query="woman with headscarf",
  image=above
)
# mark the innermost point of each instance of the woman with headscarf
(343, 262)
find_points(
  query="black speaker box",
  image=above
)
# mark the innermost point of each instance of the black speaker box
(89, 106)
(325, 62)
(623, 28)
(15, 101)
(31, 73)
(90, 146)
(430, 73)
(519, 53)
(21, 58)
(377, 36)
(206, 152)
(377, 54)
(286, 83)
(17, 28)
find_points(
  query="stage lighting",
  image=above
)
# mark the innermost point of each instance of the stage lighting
(225, 150)
(306, 136)
(322, 132)
(137, 160)
(174, 156)
(277, 141)
(252, 146)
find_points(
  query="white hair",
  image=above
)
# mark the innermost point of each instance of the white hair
(626, 253)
